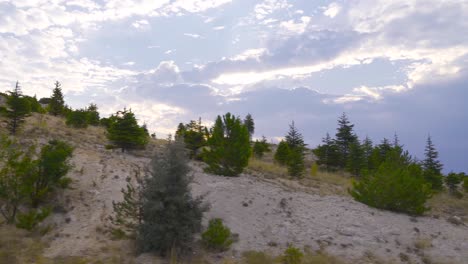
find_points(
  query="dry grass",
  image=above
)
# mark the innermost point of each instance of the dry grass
(323, 183)
(269, 169)
(444, 204)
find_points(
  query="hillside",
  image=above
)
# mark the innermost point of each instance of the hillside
(266, 211)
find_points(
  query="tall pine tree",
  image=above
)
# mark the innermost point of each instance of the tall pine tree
(295, 142)
(432, 166)
(18, 108)
(57, 103)
(249, 123)
(343, 139)
(171, 216)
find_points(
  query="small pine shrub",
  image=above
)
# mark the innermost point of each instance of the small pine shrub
(395, 186)
(292, 255)
(217, 236)
(453, 180)
(31, 219)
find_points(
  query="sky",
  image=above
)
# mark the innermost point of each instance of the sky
(397, 66)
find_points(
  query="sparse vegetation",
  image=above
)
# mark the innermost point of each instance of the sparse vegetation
(292, 255)
(217, 236)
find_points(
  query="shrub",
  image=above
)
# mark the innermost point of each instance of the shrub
(260, 147)
(465, 183)
(395, 186)
(257, 257)
(77, 118)
(282, 153)
(453, 180)
(52, 166)
(31, 219)
(217, 236)
(292, 255)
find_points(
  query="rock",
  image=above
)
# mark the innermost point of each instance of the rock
(404, 257)
(455, 220)
(347, 232)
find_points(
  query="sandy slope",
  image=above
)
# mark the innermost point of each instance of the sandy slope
(265, 214)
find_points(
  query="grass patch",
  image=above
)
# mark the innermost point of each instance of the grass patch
(269, 169)
(445, 204)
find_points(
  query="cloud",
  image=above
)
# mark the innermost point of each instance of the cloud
(332, 10)
(195, 36)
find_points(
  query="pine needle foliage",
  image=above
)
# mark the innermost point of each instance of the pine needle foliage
(171, 216)
(397, 185)
(57, 103)
(124, 131)
(18, 107)
(229, 146)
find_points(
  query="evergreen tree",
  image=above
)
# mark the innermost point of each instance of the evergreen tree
(51, 168)
(18, 108)
(77, 118)
(367, 148)
(249, 123)
(356, 159)
(282, 153)
(35, 105)
(395, 185)
(432, 166)
(344, 137)
(260, 147)
(171, 217)
(125, 132)
(327, 153)
(57, 103)
(193, 135)
(296, 145)
(92, 115)
(16, 168)
(229, 146)
(453, 180)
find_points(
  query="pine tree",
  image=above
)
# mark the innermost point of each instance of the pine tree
(171, 216)
(344, 137)
(249, 123)
(367, 148)
(260, 147)
(229, 146)
(432, 166)
(18, 108)
(93, 115)
(57, 103)
(327, 153)
(77, 118)
(282, 153)
(356, 159)
(193, 135)
(125, 132)
(295, 142)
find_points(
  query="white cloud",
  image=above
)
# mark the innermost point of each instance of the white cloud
(195, 36)
(141, 24)
(268, 7)
(218, 28)
(294, 27)
(332, 10)
(167, 52)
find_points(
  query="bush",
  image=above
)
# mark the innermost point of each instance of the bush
(52, 166)
(292, 255)
(124, 131)
(217, 236)
(31, 219)
(395, 186)
(453, 180)
(465, 183)
(314, 169)
(77, 119)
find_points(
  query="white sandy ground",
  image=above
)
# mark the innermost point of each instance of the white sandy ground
(266, 215)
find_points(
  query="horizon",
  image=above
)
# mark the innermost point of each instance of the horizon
(398, 67)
